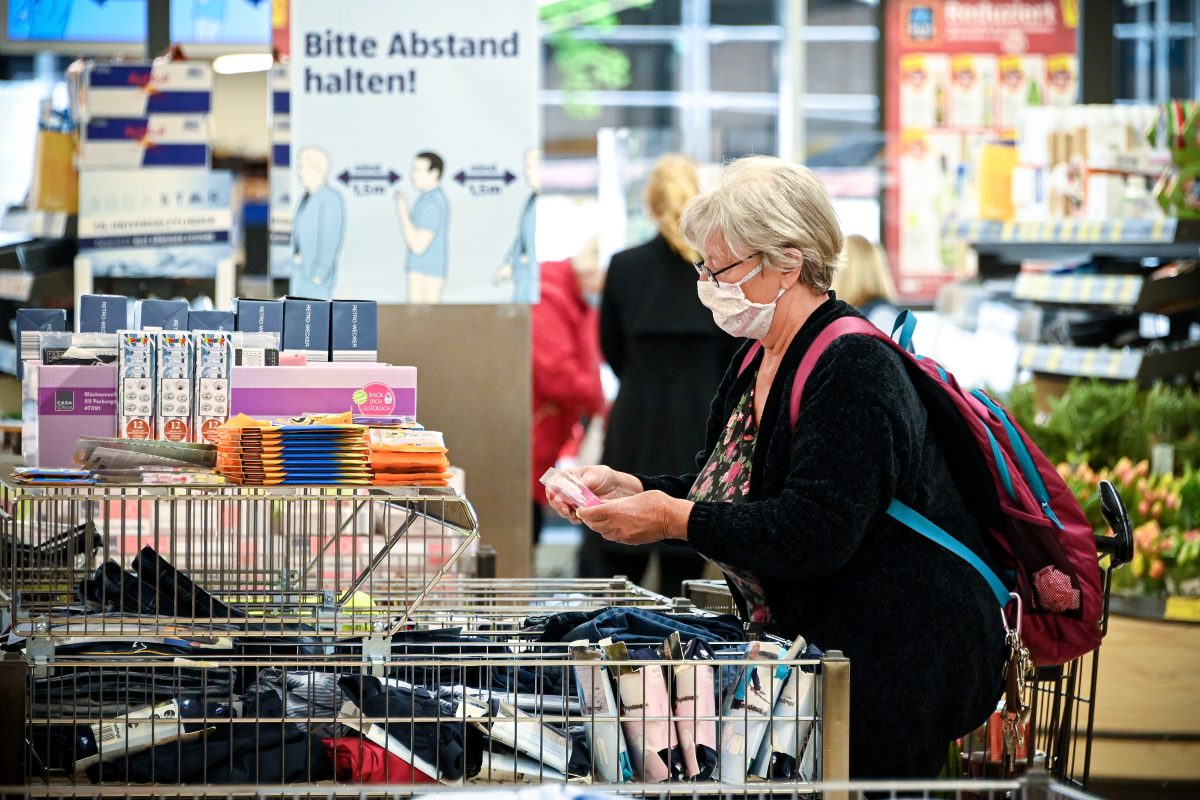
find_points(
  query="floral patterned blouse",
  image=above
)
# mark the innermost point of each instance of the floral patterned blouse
(726, 479)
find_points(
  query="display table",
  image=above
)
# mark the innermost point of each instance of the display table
(1148, 702)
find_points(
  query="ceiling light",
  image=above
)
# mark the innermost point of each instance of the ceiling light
(237, 63)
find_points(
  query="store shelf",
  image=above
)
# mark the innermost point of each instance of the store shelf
(1132, 238)
(32, 268)
(1128, 291)
(1109, 363)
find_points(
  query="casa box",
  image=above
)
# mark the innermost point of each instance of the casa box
(374, 390)
(63, 402)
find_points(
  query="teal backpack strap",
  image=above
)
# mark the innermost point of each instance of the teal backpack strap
(911, 519)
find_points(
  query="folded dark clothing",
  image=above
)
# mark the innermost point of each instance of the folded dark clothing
(58, 551)
(634, 626)
(113, 589)
(155, 587)
(181, 596)
(93, 693)
(270, 753)
(458, 669)
(448, 742)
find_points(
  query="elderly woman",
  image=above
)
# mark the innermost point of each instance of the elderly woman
(796, 518)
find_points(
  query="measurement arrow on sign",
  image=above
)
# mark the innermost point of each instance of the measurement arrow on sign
(345, 177)
(462, 177)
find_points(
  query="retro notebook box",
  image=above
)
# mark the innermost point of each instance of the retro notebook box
(364, 387)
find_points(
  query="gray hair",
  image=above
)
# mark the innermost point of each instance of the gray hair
(762, 204)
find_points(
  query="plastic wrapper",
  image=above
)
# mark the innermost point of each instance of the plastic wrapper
(695, 706)
(645, 717)
(577, 495)
(784, 754)
(746, 718)
(598, 706)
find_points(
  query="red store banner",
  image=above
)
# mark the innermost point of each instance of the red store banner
(958, 74)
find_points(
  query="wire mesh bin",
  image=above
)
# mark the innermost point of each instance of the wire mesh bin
(426, 709)
(1034, 787)
(340, 558)
(709, 595)
(504, 605)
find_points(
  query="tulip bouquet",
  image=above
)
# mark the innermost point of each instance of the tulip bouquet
(1165, 513)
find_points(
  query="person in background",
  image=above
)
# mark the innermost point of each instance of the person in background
(864, 282)
(669, 357)
(566, 361)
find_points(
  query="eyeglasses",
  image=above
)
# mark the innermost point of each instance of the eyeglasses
(705, 272)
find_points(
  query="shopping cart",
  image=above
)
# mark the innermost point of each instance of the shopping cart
(458, 711)
(1061, 699)
(333, 558)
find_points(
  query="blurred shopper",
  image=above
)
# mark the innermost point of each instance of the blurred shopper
(662, 344)
(566, 361)
(864, 282)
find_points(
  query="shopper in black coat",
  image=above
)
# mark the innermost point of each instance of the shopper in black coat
(650, 317)
(801, 531)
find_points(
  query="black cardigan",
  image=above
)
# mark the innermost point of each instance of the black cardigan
(921, 628)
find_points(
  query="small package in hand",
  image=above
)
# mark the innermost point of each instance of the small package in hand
(577, 494)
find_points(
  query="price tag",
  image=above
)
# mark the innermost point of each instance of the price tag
(1131, 287)
(1053, 359)
(1114, 364)
(1028, 357)
(1156, 230)
(1114, 231)
(1182, 609)
(1008, 231)
(1089, 362)
(1110, 290)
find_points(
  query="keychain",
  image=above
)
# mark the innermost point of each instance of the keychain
(1016, 672)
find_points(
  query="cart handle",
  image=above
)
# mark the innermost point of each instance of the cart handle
(1120, 544)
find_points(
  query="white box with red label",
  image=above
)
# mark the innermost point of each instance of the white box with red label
(372, 390)
(135, 385)
(174, 374)
(214, 360)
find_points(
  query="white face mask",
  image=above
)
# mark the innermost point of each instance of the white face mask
(733, 312)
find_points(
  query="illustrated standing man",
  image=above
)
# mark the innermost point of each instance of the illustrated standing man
(521, 264)
(424, 228)
(317, 227)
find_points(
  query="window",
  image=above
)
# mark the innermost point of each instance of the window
(712, 72)
(1156, 50)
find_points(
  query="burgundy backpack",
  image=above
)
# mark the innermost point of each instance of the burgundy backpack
(1034, 527)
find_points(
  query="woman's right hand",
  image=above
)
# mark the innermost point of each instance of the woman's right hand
(605, 482)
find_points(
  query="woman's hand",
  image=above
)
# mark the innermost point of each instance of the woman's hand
(605, 482)
(641, 519)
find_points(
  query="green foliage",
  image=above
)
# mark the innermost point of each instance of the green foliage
(586, 66)
(1172, 416)
(1092, 418)
(1100, 422)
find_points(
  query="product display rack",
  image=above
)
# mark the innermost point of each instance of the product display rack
(33, 272)
(1122, 285)
(1001, 246)
(316, 584)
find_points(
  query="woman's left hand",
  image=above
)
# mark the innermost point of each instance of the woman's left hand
(641, 519)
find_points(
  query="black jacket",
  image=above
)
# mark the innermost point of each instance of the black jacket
(667, 352)
(921, 628)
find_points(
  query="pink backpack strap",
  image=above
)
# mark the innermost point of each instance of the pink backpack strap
(750, 355)
(834, 330)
